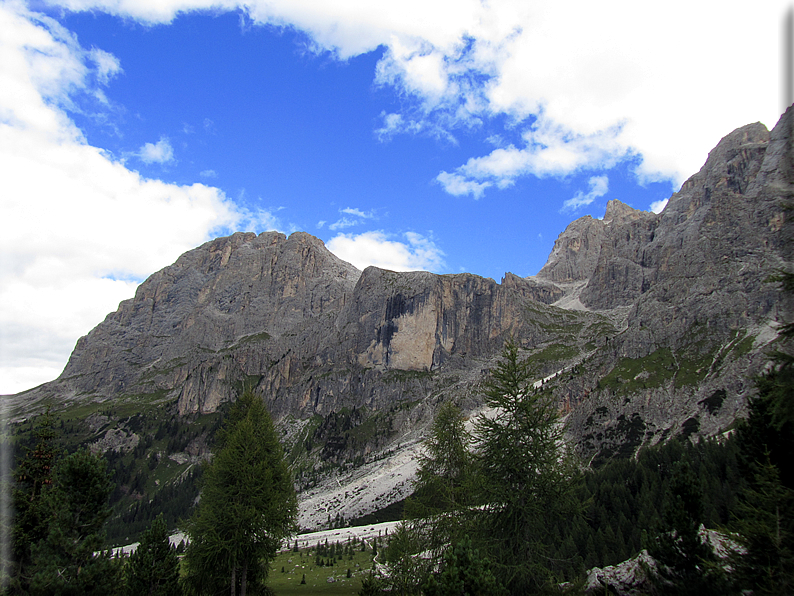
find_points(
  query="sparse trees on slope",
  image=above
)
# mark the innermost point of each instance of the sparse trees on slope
(248, 505)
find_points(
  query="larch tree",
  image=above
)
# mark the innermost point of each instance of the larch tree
(527, 475)
(446, 483)
(247, 508)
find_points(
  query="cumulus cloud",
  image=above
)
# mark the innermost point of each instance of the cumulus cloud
(79, 230)
(658, 206)
(376, 248)
(588, 83)
(159, 152)
(599, 185)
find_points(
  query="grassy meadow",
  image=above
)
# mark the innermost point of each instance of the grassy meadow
(304, 562)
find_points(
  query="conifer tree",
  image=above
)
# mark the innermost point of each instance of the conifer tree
(765, 520)
(76, 507)
(33, 475)
(528, 478)
(248, 505)
(153, 569)
(446, 483)
(687, 564)
(464, 572)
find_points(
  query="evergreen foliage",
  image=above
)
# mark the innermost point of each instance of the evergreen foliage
(153, 569)
(33, 475)
(765, 525)
(76, 507)
(765, 515)
(248, 506)
(464, 572)
(527, 476)
(407, 569)
(445, 483)
(687, 564)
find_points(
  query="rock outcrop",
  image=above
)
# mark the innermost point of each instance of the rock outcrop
(644, 325)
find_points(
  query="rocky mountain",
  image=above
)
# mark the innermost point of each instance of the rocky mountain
(644, 325)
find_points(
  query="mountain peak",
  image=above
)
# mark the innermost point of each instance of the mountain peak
(617, 210)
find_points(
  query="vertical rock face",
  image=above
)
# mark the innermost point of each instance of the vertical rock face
(671, 310)
(269, 310)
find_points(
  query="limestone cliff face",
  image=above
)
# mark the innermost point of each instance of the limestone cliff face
(665, 317)
(287, 317)
(693, 283)
(223, 295)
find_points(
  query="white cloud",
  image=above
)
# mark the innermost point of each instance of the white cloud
(658, 206)
(208, 174)
(159, 152)
(357, 212)
(343, 223)
(347, 222)
(264, 221)
(417, 253)
(599, 185)
(78, 230)
(107, 65)
(548, 151)
(460, 184)
(589, 83)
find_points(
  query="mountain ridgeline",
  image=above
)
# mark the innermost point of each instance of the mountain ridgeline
(645, 326)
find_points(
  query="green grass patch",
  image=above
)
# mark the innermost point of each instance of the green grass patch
(693, 370)
(304, 563)
(634, 374)
(554, 353)
(744, 346)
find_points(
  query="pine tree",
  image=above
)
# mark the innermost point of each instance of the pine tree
(77, 509)
(33, 475)
(153, 569)
(247, 508)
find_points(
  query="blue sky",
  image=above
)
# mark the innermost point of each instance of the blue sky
(449, 136)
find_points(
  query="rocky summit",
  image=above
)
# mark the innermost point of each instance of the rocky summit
(645, 326)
